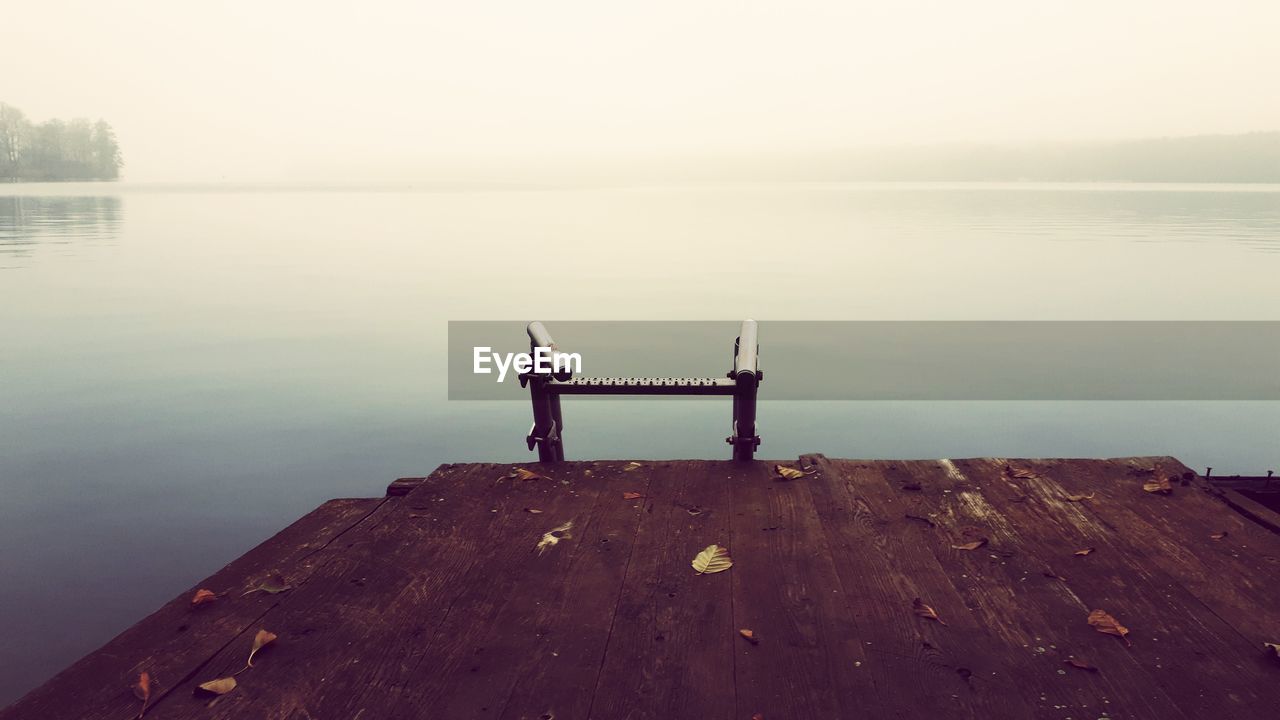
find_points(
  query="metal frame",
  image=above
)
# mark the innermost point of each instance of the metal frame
(741, 383)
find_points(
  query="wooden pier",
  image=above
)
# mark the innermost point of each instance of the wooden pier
(871, 589)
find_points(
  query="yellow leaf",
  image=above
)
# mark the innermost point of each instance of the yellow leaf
(1078, 498)
(971, 545)
(749, 636)
(632, 466)
(712, 560)
(523, 474)
(261, 640)
(1104, 623)
(787, 473)
(203, 596)
(925, 611)
(221, 686)
(1158, 484)
(1085, 551)
(142, 690)
(553, 536)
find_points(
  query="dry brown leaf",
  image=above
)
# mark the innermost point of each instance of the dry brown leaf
(221, 686)
(142, 690)
(632, 495)
(631, 466)
(1219, 535)
(553, 536)
(1085, 551)
(203, 596)
(1078, 498)
(971, 545)
(750, 636)
(1159, 483)
(261, 640)
(925, 611)
(786, 473)
(1272, 648)
(1078, 663)
(1104, 623)
(714, 559)
(523, 474)
(533, 511)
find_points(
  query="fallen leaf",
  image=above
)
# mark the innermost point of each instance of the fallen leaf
(1219, 536)
(203, 596)
(523, 474)
(1104, 623)
(631, 466)
(1085, 551)
(971, 545)
(750, 636)
(217, 688)
(142, 690)
(1158, 484)
(925, 611)
(533, 511)
(786, 473)
(261, 640)
(712, 560)
(272, 585)
(1273, 648)
(553, 536)
(1078, 663)
(1078, 498)
(632, 495)
(1022, 473)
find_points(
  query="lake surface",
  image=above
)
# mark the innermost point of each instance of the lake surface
(184, 370)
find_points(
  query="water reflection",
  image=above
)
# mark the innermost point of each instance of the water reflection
(27, 222)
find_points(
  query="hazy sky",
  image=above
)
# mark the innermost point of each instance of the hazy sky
(276, 89)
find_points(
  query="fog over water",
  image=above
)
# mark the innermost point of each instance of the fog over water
(291, 90)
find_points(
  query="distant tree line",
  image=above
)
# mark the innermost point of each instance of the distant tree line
(56, 149)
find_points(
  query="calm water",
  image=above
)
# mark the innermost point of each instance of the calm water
(185, 370)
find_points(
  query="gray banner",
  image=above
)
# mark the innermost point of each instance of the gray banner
(925, 360)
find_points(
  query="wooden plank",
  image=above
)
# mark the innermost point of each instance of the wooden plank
(416, 587)
(435, 603)
(1181, 649)
(919, 667)
(568, 632)
(174, 642)
(809, 661)
(1176, 532)
(671, 652)
(1013, 587)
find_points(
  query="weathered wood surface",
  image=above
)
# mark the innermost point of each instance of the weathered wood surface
(434, 602)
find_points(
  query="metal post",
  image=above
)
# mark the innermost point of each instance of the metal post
(548, 426)
(746, 373)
